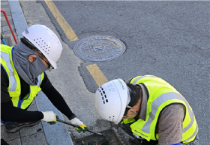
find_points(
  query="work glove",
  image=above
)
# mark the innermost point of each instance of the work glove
(82, 126)
(49, 117)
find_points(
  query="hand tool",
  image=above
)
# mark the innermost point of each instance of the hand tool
(59, 120)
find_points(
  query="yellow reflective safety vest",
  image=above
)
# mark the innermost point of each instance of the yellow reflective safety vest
(161, 94)
(14, 87)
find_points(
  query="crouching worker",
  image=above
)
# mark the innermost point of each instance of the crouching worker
(149, 109)
(22, 77)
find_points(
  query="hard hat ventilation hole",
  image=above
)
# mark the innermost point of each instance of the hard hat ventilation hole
(106, 100)
(103, 102)
(105, 96)
(111, 117)
(104, 92)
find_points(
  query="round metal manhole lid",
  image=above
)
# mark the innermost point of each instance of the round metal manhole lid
(99, 48)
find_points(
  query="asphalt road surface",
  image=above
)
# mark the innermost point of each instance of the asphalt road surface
(168, 39)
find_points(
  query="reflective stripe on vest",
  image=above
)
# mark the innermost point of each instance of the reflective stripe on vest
(39, 80)
(11, 73)
(140, 77)
(196, 131)
(21, 101)
(12, 80)
(161, 99)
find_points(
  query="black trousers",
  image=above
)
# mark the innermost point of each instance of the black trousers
(126, 128)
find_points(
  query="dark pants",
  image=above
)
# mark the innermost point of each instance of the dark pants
(127, 129)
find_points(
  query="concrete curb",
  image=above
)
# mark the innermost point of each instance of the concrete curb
(56, 134)
(18, 17)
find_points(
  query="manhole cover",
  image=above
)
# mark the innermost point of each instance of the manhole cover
(99, 48)
(109, 138)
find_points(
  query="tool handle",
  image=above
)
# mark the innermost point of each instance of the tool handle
(59, 120)
(66, 122)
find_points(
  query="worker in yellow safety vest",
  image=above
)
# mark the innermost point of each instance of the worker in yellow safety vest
(149, 109)
(23, 76)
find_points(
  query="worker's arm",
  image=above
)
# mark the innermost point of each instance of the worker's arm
(58, 101)
(170, 125)
(11, 113)
(55, 97)
(14, 114)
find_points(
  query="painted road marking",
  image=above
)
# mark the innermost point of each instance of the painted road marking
(61, 21)
(97, 74)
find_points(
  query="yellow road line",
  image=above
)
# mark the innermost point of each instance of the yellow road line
(97, 74)
(61, 21)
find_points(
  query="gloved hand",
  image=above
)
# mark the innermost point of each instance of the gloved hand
(82, 126)
(49, 117)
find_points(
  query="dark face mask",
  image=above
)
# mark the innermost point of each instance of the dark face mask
(28, 71)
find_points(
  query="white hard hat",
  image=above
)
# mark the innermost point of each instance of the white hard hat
(111, 100)
(46, 41)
